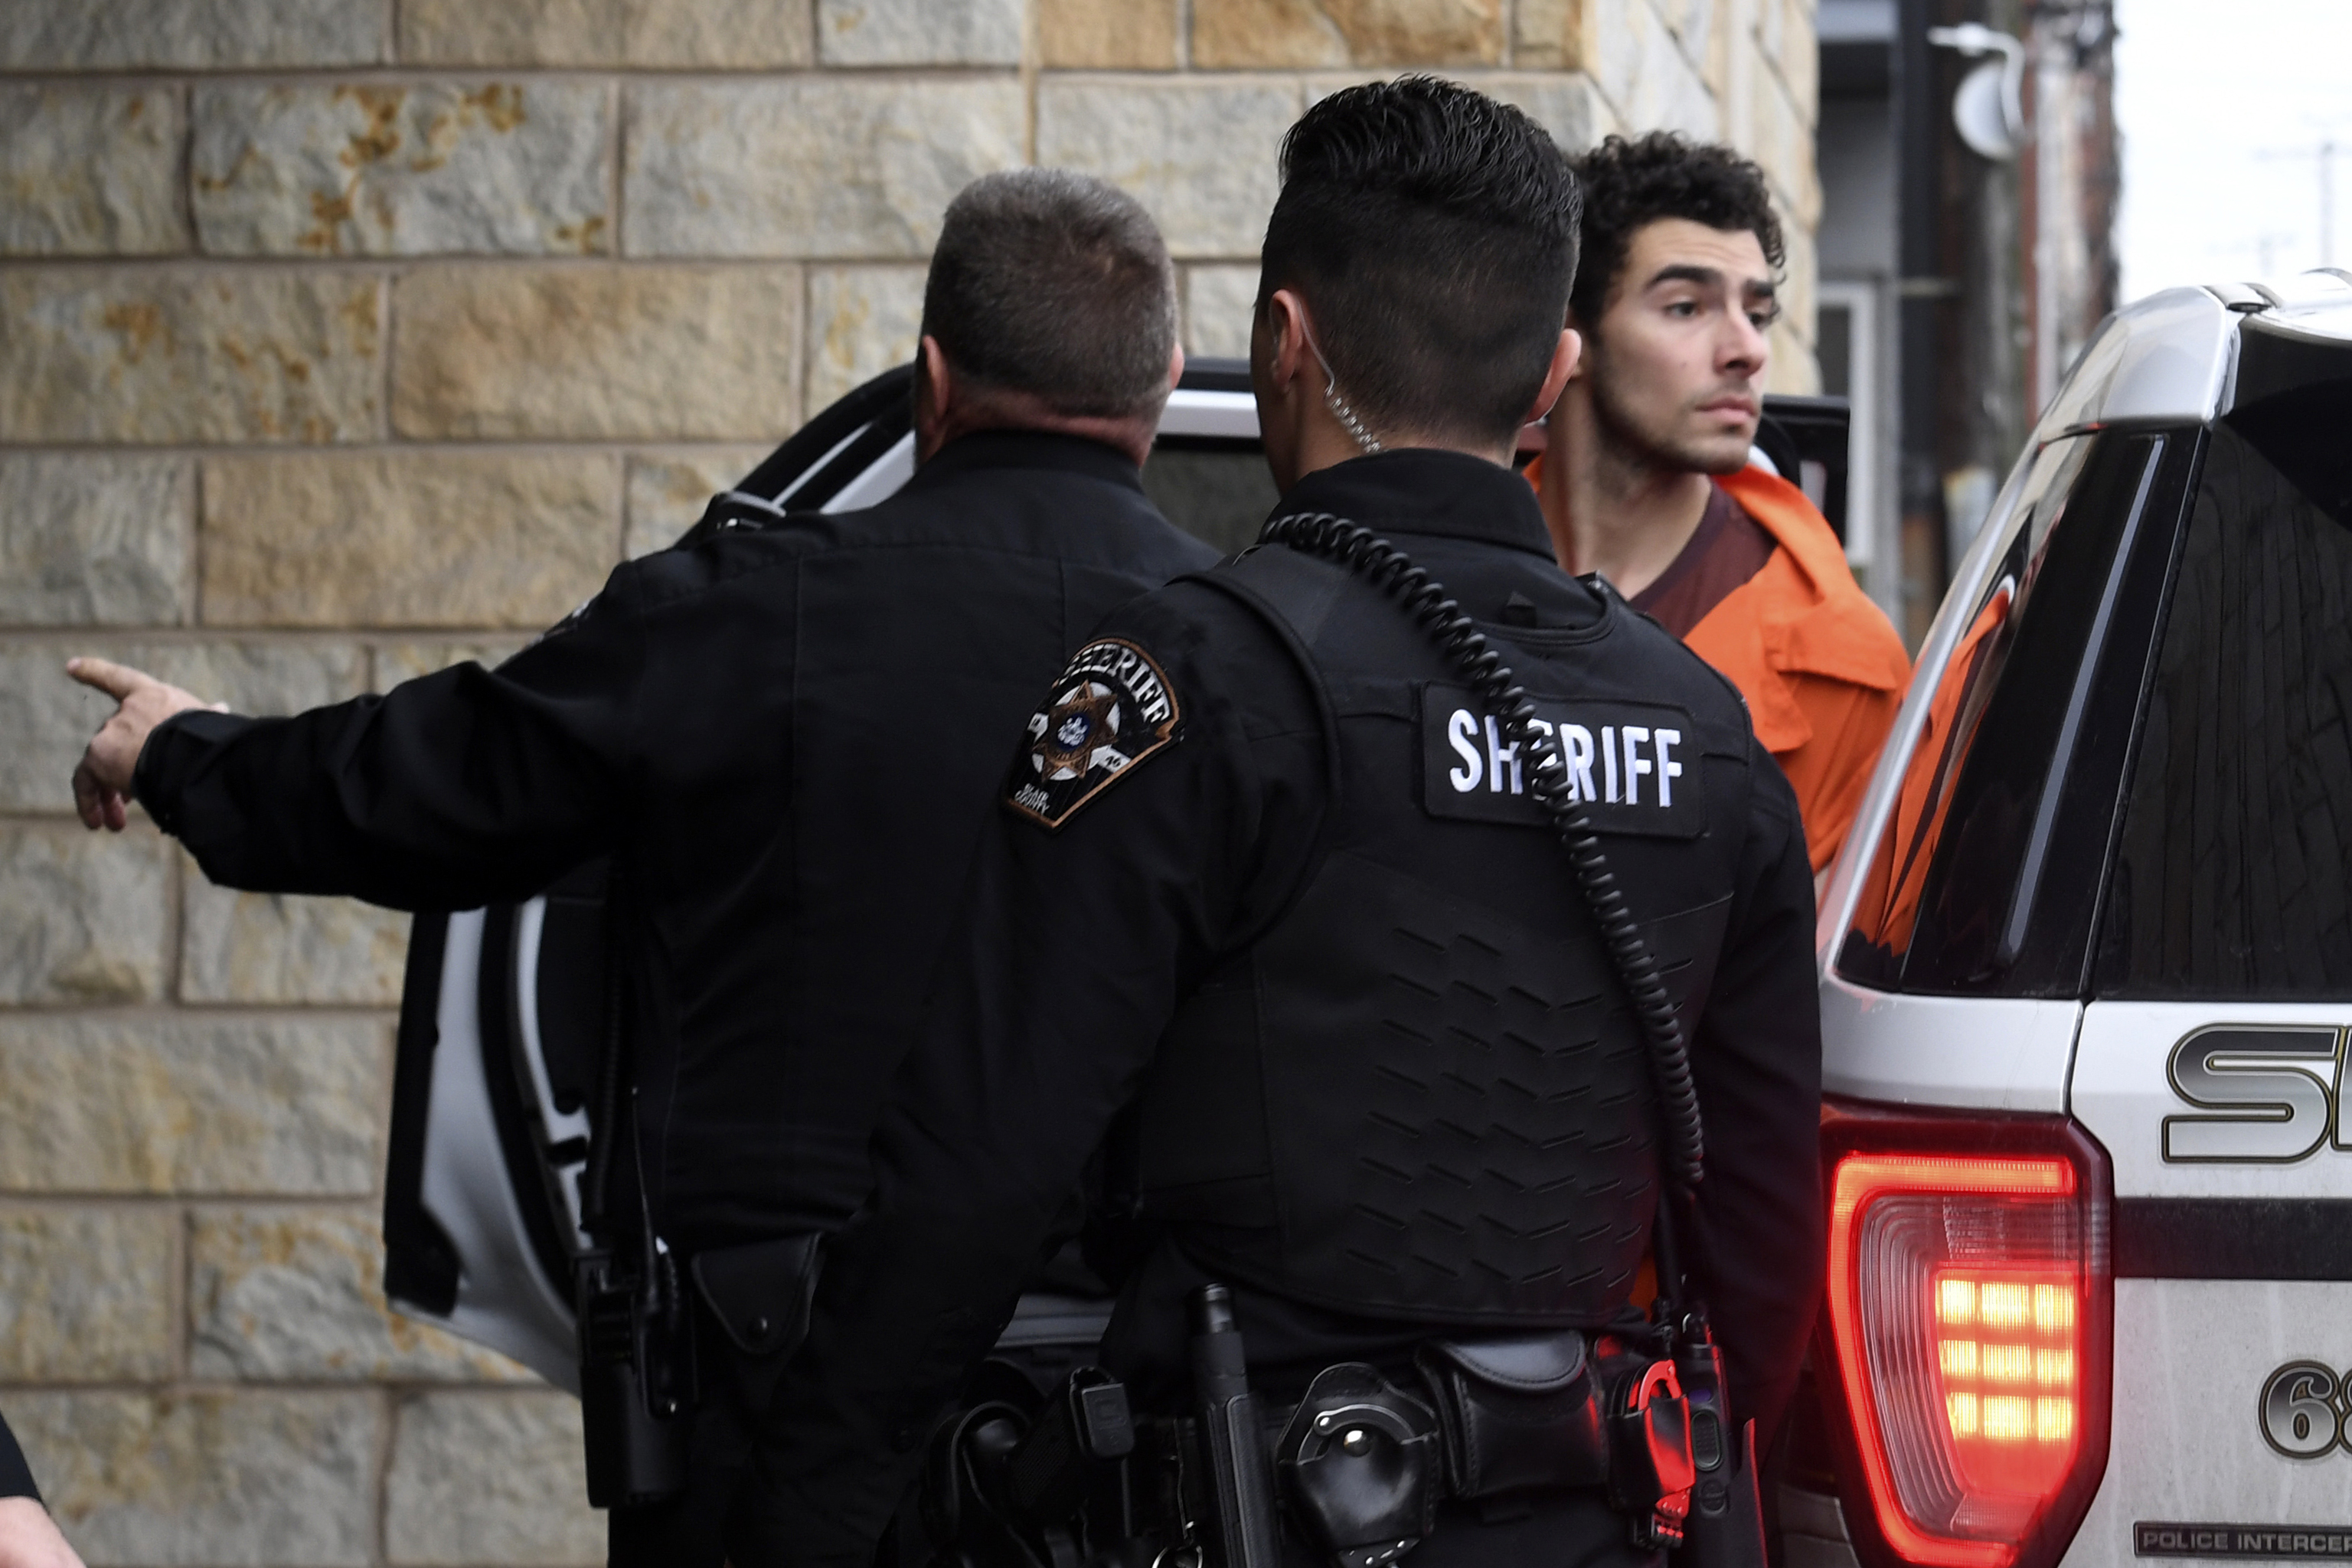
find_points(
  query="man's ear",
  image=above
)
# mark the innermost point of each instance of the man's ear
(934, 382)
(1566, 356)
(934, 395)
(1175, 365)
(1285, 321)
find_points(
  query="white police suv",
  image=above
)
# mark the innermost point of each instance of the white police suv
(2086, 983)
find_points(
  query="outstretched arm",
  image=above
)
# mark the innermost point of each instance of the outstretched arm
(462, 787)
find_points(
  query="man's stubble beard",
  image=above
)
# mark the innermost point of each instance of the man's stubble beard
(1623, 428)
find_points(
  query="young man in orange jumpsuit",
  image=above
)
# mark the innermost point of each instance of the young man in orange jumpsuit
(1646, 477)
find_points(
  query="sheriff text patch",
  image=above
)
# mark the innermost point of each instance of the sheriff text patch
(1107, 712)
(1633, 764)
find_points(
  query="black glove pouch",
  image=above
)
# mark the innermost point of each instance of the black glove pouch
(759, 1295)
(1519, 1413)
(1360, 1465)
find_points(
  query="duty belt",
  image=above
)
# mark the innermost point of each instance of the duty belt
(1359, 1464)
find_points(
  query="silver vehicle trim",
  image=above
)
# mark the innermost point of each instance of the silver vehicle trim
(1229, 414)
(2166, 357)
(1988, 1053)
(888, 475)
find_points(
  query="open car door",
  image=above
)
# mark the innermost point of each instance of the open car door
(503, 1013)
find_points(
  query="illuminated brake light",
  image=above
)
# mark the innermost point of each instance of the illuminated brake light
(1960, 1301)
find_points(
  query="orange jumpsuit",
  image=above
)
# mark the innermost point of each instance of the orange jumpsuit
(1821, 666)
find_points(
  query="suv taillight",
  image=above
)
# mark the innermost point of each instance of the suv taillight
(1971, 1306)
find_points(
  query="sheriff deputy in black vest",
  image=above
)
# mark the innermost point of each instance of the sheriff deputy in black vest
(788, 736)
(1269, 920)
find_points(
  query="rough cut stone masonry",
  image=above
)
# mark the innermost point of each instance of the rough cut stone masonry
(340, 338)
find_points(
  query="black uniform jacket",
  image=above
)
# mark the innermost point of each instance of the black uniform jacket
(789, 735)
(1077, 946)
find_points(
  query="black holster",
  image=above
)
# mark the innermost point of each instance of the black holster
(1359, 1460)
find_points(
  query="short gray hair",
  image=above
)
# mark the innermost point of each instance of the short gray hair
(1058, 284)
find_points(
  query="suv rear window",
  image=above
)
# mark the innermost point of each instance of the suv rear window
(1984, 879)
(2233, 877)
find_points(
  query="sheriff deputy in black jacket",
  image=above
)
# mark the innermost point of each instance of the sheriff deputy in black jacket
(788, 737)
(1268, 878)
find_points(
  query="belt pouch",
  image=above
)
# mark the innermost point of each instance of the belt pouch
(1519, 1415)
(1360, 1460)
(759, 1295)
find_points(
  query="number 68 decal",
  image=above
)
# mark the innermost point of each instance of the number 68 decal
(2303, 1410)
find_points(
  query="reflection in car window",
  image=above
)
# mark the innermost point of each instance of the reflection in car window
(2233, 878)
(1218, 492)
(1889, 904)
(1985, 877)
(1952, 719)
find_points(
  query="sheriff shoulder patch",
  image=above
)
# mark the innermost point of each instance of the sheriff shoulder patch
(1107, 712)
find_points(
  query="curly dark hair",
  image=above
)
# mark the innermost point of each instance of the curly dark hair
(1433, 230)
(1631, 183)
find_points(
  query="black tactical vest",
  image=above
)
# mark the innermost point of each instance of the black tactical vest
(1422, 1094)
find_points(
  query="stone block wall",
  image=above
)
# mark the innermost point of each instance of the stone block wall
(342, 339)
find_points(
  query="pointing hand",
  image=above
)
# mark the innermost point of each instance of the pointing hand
(101, 784)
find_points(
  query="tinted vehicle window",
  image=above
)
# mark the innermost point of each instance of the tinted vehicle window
(1218, 492)
(1986, 879)
(2233, 876)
